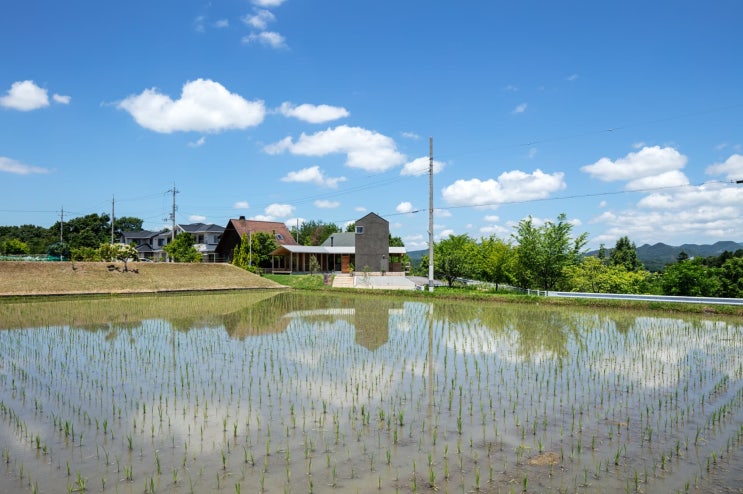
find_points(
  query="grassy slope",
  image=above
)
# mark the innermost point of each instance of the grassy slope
(56, 278)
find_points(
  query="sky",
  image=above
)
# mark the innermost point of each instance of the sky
(626, 116)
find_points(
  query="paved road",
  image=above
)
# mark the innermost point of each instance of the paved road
(651, 298)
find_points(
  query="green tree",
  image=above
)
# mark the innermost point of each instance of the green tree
(452, 257)
(121, 252)
(543, 252)
(690, 278)
(181, 249)
(85, 254)
(254, 254)
(315, 232)
(593, 276)
(731, 278)
(85, 231)
(14, 247)
(60, 250)
(127, 224)
(625, 254)
(495, 261)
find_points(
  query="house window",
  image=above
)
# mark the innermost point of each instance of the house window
(160, 242)
(279, 237)
(359, 229)
(199, 239)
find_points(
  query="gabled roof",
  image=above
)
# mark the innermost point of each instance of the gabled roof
(201, 228)
(139, 234)
(343, 239)
(279, 230)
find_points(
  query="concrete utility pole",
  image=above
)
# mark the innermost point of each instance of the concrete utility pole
(61, 225)
(113, 218)
(172, 213)
(430, 215)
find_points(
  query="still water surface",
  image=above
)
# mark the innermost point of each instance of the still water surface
(287, 392)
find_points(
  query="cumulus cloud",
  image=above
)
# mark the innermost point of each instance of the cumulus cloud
(279, 210)
(259, 19)
(325, 204)
(519, 109)
(411, 135)
(419, 166)
(8, 165)
(732, 168)
(641, 168)
(61, 99)
(314, 175)
(266, 38)
(241, 205)
(268, 3)
(204, 106)
(25, 96)
(313, 113)
(364, 149)
(513, 186)
(404, 207)
(197, 143)
(222, 23)
(196, 218)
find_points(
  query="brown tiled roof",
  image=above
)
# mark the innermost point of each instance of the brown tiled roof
(244, 227)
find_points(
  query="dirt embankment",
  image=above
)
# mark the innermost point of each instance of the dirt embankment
(62, 278)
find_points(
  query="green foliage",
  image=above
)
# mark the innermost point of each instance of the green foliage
(299, 281)
(60, 250)
(13, 247)
(86, 254)
(85, 231)
(254, 251)
(127, 224)
(495, 261)
(314, 264)
(691, 278)
(593, 276)
(118, 252)
(731, 278)
(625, 254)
(181, 249)
(452, 258)
(315, 232)
(544, 252)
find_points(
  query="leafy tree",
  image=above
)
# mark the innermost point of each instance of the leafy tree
(181, 249)
(60, 250)
(13, 247)
(495, 261)
(36, 237)
(593, 276)
(452, 257)
(543, 252)
(690, 278)
(85, 231)
(731, 278)
(127, 224)
(253, 255)
(625, 254)
(351, 227)
(120, 252)
(315, 232)
(314, 264)
(85, 254)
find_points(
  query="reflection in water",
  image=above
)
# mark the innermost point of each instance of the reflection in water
(326, 393)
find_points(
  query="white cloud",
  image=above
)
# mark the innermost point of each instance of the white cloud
(443, 234)
(404, 207)
(732, 168)
(25, 96)
(222, 23)
(61, 99)
(513, 186)
(441, 213)
(360, 209)
(491, 218)
(198, 143)
(519, 109)
(266, 38)
(8, 165)
(572, 77)
(648, 162)
(672, 178)
(314, 175)
(497, 230)
(510, 88)
(313, 113)
(196, 218)
(364, 149)
(268, 3)
(411, 135)
(260, 19)
(204, 106)
(532, 152)
(279, 210)
(325, 204)
(419, 166)
(241, 205)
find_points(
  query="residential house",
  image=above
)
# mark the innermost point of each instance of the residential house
(236, 228)
(367, 249)
(150, 244)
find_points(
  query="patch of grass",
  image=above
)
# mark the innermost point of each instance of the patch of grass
(298, 281)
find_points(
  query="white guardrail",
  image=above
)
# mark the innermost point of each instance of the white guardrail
(650, 298)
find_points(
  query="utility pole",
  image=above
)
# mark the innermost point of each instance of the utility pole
(113, 218)
(61, 225)
(250, 239)
(172, 213)
(430, 215)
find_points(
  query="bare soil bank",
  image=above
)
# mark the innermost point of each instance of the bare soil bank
(70, 278)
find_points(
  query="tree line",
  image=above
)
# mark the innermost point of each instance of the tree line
(549, 257)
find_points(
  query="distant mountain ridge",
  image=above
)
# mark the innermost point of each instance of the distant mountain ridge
(653, 257)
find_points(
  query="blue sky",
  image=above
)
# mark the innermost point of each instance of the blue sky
(626, 116)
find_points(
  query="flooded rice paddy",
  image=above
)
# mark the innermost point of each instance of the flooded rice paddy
(301, 393)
